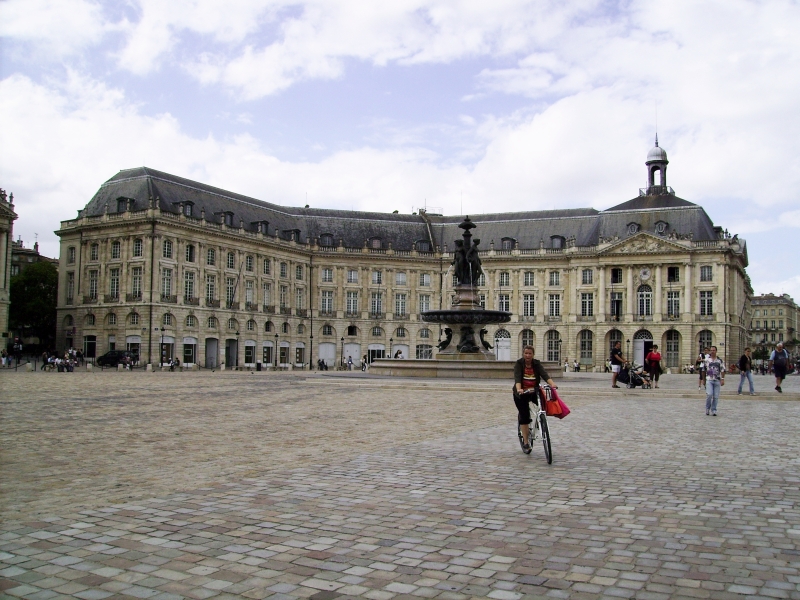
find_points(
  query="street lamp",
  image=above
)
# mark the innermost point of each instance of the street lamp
(161, 350)
(391, 343)
(559, 348)
(237, 350)
(341, 362)
(275, 358)
(628, 351)
(310, 351)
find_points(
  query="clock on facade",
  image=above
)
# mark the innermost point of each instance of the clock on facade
(644, 274)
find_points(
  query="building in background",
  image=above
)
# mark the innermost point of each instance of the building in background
(22, 257)
(7, 218)
(774, 320)
(173, 268)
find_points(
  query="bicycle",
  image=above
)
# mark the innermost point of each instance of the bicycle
(538, 428)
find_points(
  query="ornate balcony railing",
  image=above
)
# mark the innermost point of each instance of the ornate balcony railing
(285, 310)
(401, 316)
(191, 301)
(642, 317)
(672, 317)
(528, 318)
(268, 309)
(111, 298)
(90, 299)
(251, 306)
(585, 318)
(169, 299)
(377, 315)
(352, 314)
(301, 312)
(706, 317)
(137, 297)
(552, 318)
(232, 305)
(614, 318)
(212, 303)
(326, 313)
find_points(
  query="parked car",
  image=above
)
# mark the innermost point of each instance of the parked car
(114, 357)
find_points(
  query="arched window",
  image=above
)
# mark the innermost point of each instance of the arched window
(251, 325)
(585, 342)
(167, 320)
(705, 339)
(423, 246)
(268, 326)
(507, 243)
(122, 204)
(614, 336)
(553, 340)
(557, 242)
(191, 321)
(400, 332)
(301, 329)
(112, 319)
(526, 337)
(69, 321)
(502, 334)
(134, 318)
(672, 348)
(212, 322)
(89, 320)
(377, 331)
(645, 298)
(232, 324)
(326, 239)
(285, 328)
(643, 334)
(352, 330)
(375, 243)
(327, 330)
(425, 333)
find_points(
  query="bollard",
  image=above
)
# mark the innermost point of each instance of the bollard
(28, 366)
(149, 367)
(120, 368)
(89, 367)
(222, 367)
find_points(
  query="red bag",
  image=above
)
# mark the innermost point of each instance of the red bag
(564, 408)
(552, 408)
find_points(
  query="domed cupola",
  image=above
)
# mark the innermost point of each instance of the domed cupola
(657, 163)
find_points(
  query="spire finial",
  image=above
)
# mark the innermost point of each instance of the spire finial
(656, 139)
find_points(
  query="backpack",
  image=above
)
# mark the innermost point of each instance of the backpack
(780, 359)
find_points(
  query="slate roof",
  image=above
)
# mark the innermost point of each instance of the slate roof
(528, 228)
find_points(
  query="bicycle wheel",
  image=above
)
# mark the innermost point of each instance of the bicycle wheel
(548, 451)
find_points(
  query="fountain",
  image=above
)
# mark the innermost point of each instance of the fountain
(464, 353)
(465, 312)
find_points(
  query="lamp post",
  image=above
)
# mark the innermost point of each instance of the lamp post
(391, 343)
(559, 348)
(275, 358)
(237, 350)
(161, 347)
(310, 351)
(341, 361)
(628, 351)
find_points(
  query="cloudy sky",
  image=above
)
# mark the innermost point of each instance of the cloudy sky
(468, 106)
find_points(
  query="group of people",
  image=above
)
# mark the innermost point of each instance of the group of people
(652, 364)
(576, 367)
(63, 364)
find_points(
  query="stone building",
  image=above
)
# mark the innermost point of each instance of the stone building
(7, 218)
(172, 267)
(22, 257)
(774, 320)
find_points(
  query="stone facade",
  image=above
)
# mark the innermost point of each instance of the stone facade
(7, 218)
(172, 267)
(774, 320)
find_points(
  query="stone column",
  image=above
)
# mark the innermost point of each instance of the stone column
(658, 309)
(630, 305)
(601, 293)
(688, 300)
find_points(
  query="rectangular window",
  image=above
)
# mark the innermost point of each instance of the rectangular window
(136, 282)
(616, 275)
(71, 254)
(94, 252)
(673, 274)
(758, 324)
(299, 298)
(554, 305)
(377, 277)
(482, 300)
(424, 279)
(352, 276)
(284, 296)
(587, 304)
(327, 302)
(266, 293)
(249, 291)
(555, 278)
(424, 352)
(267, 268)
(780, 324)
(528, 278)
(352, 303)
(138, 248)
(211, 287)
(113, 280)
(93, 279)
(400, 279)
(70, 287)
(248, 263)
(503, 302)
(376, 303)
(167, 249)
(706, 273)
(115, 250)
(188, 285)
(673, 304)
(298, 272)
(706, 304)
(504, 279)
(284, 270)
(231, 264)
(190, 253)
(400, 305)
(327, 275)
(166, 282)
(230, 289)
(424, 302)
(211, 257)
(528, 305)
(587, 276)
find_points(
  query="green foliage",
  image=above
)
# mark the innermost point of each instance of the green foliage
(760, 353)
(34, 294)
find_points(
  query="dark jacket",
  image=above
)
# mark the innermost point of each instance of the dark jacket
(745, 364)
(519, 371)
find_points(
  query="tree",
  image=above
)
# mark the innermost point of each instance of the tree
(33, 295)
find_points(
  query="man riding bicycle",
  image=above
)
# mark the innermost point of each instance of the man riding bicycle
(528, 374)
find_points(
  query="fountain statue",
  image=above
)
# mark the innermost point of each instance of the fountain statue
(466, 312)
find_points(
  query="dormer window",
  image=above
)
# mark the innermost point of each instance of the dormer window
(187, 208)
(557, 242)
(326, 239)
(633, 228)
(661, 227)
(228, 216)
(507, 243)
(375, 243)
(423, 246)
(291, 235)
(122, 205)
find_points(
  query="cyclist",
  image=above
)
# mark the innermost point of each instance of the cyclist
(528, 373)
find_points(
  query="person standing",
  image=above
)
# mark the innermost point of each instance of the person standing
(349, 363)
(778, 362)
(653, 360)
(617, 360)
(715, 378)
(364, 363)
(701, 368)
(745, 368)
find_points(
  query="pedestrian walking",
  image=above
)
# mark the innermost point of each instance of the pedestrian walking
(779, 361)
(701, 368)
(715, 379)
(349, 363)
(617, 360)
(364, 363)
(653, 360)
(745, 368)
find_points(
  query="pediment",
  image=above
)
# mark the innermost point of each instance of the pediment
(643, 243)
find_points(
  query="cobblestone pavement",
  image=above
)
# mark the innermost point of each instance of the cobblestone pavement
(304, 486)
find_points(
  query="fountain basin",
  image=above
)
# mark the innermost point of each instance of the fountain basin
(466, 317)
